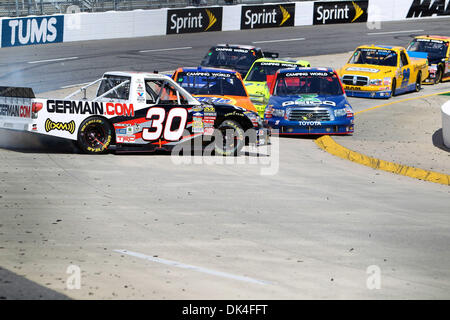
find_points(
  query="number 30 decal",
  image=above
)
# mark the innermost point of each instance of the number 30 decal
(160, 126)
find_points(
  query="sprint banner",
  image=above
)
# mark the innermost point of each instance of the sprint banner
(194, 20)
(331, 12)
(268, 16)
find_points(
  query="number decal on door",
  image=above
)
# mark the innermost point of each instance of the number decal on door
(406, 76)
(160, 125)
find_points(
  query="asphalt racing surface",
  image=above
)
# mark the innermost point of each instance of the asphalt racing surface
(302, 225)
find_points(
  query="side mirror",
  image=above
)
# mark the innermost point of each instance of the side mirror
(271, 55)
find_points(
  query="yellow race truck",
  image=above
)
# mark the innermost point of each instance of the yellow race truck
(383, 71)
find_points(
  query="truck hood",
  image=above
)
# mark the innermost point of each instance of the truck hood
(309, 100)
(243, 102)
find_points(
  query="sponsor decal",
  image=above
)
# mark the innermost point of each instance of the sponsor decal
(140, 96)
(36, 30)
(371, 70)
(197, 125)
(308, 100)
(119, 109)
(310, 123)
(279, 64)
(429, 40)
(308, 74)
(15, 111)
(121, 131)
(332, 12)
(125, 139)
(88, 107)
(61, 126)
(267, 16)
(350, 88)
(209, 74)
(240, 50)
(194, 20)
(428, 8)
(216, 99)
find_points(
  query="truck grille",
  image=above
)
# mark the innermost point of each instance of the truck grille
(308, 115)
(355, 80)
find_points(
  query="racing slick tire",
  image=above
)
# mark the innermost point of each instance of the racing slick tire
(418, 83)
(394, 85)
(229, 138)
(438, 78)
(95, 135)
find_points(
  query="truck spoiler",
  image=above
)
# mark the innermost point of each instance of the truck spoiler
(17, 92)
(16, 108)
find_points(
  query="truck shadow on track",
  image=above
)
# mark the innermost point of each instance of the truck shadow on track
(28, 142)
(15, 287)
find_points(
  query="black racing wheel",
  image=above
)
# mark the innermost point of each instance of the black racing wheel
(438, 77)
(394, 87)
(95, 135)
(229, 138)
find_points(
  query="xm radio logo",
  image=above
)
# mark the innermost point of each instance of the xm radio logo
(28, 31)
(194, 20)
(61, 126)
(267, 16)
(331, 12)
(428, 8)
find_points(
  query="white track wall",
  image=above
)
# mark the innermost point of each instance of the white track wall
(446, 123)
(141, 23)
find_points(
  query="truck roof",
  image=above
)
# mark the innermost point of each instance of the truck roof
(431, 37)
(376, 46)
(207, 69)
(135, 73)
(303, 69)
(238, 46)
(290, 61)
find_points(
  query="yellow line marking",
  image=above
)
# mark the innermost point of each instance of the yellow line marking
(329, 145)
(403, 100)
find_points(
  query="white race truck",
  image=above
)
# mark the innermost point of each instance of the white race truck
(134, 111)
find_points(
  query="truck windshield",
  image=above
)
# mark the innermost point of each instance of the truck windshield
(378, 57)
(295, 83)
(229, 57)
(436, 49)
(111, 81)
(211, 83)
(260, 70)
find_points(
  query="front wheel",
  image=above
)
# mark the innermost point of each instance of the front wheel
(438, 76)
(229, 138)
(394, 85)
(95, 135)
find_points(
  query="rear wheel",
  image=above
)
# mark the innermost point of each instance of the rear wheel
(229, 138)
(418, 82)
(95, 135)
